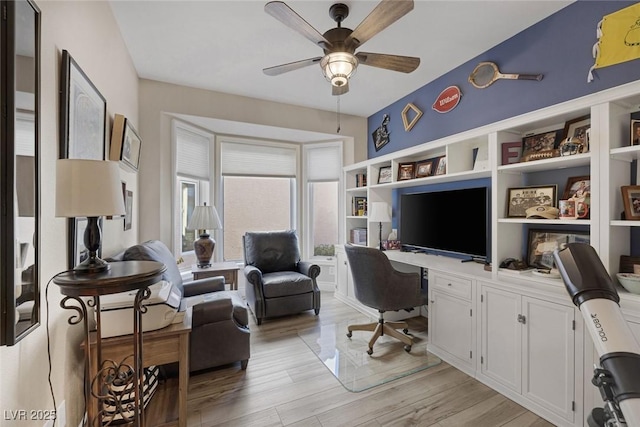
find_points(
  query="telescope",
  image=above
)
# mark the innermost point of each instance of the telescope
(618, 376)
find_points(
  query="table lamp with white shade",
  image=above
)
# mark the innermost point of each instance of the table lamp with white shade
(379, 212)
(204, 218)
(89, 188)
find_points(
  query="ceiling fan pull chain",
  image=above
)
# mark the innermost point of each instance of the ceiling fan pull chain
(338, 114)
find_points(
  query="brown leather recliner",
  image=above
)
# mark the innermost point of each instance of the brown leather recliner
(219, 331)
(278, 282)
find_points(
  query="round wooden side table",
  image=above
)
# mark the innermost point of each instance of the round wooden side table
(123, 276)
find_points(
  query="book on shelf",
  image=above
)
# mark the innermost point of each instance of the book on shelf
(358, 236)
(361, 180)
(359, 206)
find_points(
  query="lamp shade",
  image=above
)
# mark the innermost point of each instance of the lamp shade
(379, 212)
(88, 188)
(338, 67)
(204, 218)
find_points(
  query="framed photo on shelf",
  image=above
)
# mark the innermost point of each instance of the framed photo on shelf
(125, 142)
(631, 199)
(83, 113)
(406, 171)
(542, 243)
(441, 167)
(540, 146)
(424, 168)
(578, 187)
(578, 128)
(384, 175)
(522, 198)
(635, 132)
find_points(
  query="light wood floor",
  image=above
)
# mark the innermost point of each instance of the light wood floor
(286, 385)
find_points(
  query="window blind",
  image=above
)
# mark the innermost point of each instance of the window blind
(257, 160)
(324, 163)
(192, 152)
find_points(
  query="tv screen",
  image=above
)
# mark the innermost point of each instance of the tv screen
(455, 221)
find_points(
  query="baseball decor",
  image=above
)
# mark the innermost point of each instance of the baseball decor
(447, 100)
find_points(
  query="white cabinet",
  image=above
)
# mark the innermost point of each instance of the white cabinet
(528, 347)
(451, 321)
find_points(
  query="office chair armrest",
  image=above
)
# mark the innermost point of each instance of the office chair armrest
(203, 286)
(253, 274)
(309, 269)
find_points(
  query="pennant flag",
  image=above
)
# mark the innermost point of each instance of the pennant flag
(618, 38)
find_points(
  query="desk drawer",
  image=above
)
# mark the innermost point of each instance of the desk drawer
(452, 285)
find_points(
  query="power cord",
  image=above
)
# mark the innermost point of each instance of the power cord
(46, 299)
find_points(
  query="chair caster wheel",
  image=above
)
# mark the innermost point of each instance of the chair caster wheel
(407, 348)
(406, 331)
(370, 351)
(349, 334)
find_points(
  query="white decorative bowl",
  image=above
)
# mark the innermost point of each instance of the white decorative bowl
(630, 282)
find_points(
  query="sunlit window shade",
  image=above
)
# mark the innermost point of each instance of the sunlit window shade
(193, 154)
(257, 160)
(323, 163)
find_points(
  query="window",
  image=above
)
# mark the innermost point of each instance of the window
(192, 175)
(259, 190)
(323, 171)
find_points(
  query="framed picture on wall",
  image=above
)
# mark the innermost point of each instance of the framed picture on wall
(125, 142)
(128, 210)
(83, 113)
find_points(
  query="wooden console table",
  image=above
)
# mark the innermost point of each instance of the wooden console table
(124, 276)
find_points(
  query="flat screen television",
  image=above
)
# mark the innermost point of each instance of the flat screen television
(449, 221)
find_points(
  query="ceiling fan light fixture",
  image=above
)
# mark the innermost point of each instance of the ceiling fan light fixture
(338, 67)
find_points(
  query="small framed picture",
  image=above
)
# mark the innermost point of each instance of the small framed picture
(631, 199)
(406, 171)
(522, 198)
(384, 175)
(441, 167)
(128, 208)
(540, 146)
(578, 128)
(635, 132)
(125, 142)
(542, 243)
(578, 187)
(424, 168)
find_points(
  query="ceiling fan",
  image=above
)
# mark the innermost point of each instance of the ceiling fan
(340, 61)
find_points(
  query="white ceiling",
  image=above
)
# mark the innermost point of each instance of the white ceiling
(224, 45)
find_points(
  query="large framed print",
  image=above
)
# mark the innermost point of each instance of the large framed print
(542, 244)
(519, 199)
(83, 112)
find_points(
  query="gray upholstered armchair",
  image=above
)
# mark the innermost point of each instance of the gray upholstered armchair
(278, 282)
(219, 329)
(378, 285)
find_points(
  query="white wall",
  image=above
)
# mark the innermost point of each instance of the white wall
(159, 100)
(89, 32)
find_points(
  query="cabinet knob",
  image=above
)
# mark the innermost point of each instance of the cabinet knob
(522, 319)
(448, 284)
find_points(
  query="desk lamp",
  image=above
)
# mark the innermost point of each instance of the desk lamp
(379, 212)
(89, 188)
(204, 218)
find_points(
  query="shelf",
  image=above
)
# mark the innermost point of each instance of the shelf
(585, 222)
(547, 164)
(356, 217)
(627, 154)
(449, 177)
(356, 190)
(624, 223)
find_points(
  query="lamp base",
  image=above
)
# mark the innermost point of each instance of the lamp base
(203, 248)
(92, 265)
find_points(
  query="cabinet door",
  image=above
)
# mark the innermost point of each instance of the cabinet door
(343, 273)
(450, 325)
(549, 355)
(501, 337)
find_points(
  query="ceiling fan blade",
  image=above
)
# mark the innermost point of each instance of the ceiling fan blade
(404, 64)
(385, 13)
(291, 19)
(339, 90)
(280, 69)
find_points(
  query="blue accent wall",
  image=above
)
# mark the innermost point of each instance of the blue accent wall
(558, 47)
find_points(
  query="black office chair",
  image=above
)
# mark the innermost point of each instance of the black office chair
(378, 285)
